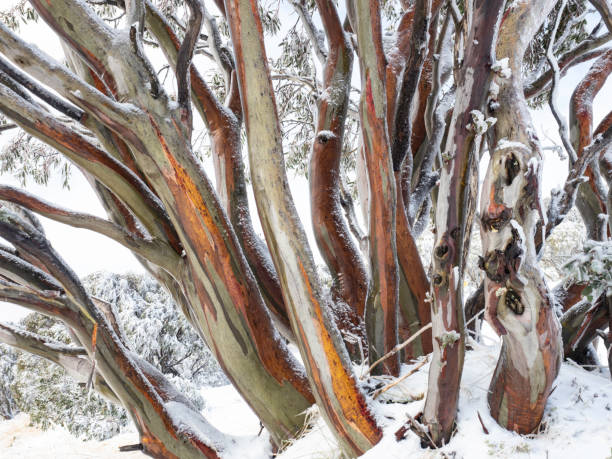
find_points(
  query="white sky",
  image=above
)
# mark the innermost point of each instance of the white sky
(87, 252)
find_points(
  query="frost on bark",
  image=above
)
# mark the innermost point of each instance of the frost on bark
(519, 305)
(591, 201)
(421, 122)
(454, 215)
(342, 404)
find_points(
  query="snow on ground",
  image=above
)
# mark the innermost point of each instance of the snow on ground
(226, 410)
(578, 423)
(578, 419)
(18, 440)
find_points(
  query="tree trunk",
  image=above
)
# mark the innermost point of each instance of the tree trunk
(518, 303)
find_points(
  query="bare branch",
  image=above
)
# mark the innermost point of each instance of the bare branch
(563, 200)
(184, 57)
(605, 10)
(211, 110)
(220, 53)
(39, 91)
(49, 303)
(592, 197)
(37, 344)
(585, 51)
(563, 132)
(122, 181)
(315, 35)
(155, 251)
(135, 11)
(21, 272)
(58, 77)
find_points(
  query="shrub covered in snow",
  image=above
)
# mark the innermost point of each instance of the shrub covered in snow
(153, 328)
(593, 267)
(44, 391)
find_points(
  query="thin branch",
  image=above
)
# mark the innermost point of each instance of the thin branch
(213, 113)
(7, 127)
(185, 55)
(593, 195)
(21, 272)
(382, 390)
(118, 178)
(563, 131)
(49, 303)
(135, 11)
(315, 35)
(37, 344)
(220, 53)
(31, 85)
(155, 251)
(584, 51)
(399, 347)
(58, 77)
(605, 10)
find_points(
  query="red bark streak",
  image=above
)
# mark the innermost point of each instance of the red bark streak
(382, 218)
(207, 235)
(86, 54)
(581, 106)
(352, 403)
(410, 264)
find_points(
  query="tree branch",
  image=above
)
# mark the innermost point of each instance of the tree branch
(605, 10)
(156, 251)
(591, 201)
(552, 60)
(21, 272)
(118, 178)
(314, 34)
(58, 77)
(583, 52)
(184, 57)
(36, 89)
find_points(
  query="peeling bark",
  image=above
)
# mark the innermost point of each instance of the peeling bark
(454, 215)
(519, 305)
(342, 404)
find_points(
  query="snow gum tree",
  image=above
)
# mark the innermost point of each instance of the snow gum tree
(390, 107)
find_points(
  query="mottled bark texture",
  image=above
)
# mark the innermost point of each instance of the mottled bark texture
(382, 304)
(421, 127)
(349, 277)
(454, 215)
(519, 305)
(341, 402)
